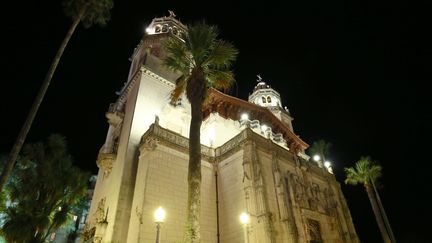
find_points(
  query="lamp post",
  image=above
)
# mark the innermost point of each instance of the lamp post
(245, 219)
(321, 162)
(159, 217)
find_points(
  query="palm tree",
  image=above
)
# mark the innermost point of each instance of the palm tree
(43, 192)
(88, 12)
(321, 148)
(366, 173)
(203, 62)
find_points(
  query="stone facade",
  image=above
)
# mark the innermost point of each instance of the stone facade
(245, 168)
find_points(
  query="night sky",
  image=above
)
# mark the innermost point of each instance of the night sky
(353, 73)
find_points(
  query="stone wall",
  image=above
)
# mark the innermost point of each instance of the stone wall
(288, 199)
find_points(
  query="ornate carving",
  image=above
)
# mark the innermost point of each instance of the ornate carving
(331, 204)
(150, 144)
(105, 162)
(313, 196)
(113, 115)
(88, 233)
(160, 133)
(314, 231)
(100, 215)
(299, 191)
(139, 215)
(232, 144)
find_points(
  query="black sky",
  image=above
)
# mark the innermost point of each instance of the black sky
(354, 73)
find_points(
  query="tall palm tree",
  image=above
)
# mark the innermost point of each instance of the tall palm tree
(204, 61)
(321, 148)
(88, 12)
(366, 172)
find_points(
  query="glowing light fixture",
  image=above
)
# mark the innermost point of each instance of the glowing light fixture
(316, 157)
(327, 164)
(244, 218)
(244, 116)
(159, 215)
(264, 128)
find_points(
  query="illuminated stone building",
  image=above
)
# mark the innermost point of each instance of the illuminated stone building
(252, 161)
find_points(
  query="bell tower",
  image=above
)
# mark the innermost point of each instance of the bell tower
(264, 95)
(141, 102)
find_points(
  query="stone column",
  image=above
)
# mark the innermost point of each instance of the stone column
(285, 212)
(263, 212)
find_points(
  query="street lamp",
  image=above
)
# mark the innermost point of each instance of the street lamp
(327, 164)
(319, 160)
(245, 220)
(159, 217)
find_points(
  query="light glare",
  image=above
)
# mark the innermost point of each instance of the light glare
(159, 215)
(316, 157)
(244, 218)
(327, 164)
(244, 116)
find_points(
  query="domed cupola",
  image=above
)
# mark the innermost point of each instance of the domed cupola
(264, 95)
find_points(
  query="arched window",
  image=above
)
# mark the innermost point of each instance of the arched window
(158, 28)
(263, 99)
(165, 28)
(268, 99)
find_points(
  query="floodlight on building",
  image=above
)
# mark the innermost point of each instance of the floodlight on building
(244, 117)
(316, 157)
(159, 217)
(327, 164)
(264, 128)
(149, 30)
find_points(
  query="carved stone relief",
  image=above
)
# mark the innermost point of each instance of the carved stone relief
(105, 162)
(299, 190)
(150, 144)
(100, 215)
(314, 231)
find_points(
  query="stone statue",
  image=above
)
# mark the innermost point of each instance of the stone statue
(100, 211)
(172, 14)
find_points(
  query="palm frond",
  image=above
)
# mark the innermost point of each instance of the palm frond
(363, 172)
(222, 55)
(96, 11)
(352, 176)
(200, 41)
(178, 90)
(220, 79)
(178, 58)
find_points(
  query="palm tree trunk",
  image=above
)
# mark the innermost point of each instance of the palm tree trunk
(36, 103)
(386, 221)
(194, 173)
(377, 213)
